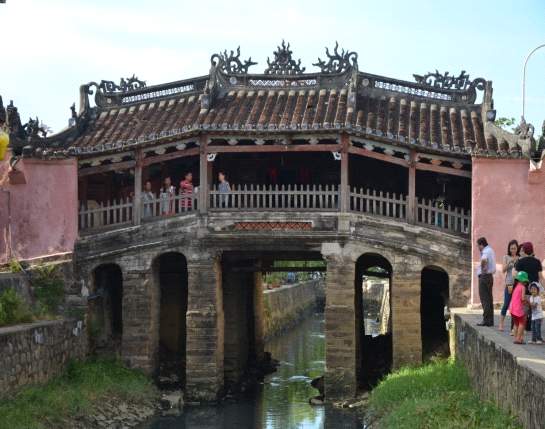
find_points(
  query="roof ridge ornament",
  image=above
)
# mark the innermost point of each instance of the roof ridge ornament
(231, 63)
(338, 62)
(283, 63)
(447, 81)
(125, 85)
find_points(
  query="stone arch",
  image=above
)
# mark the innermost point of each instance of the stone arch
(170, 276)
(434, 296)
(106, 307)
(372, 284)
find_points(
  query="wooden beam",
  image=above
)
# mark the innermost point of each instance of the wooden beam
(275, 148)
(411, 197)
(194, 151)
(345, 190)
(380, 156)
(204, 186)
(137, 209)
(443, 170)
(100, 169)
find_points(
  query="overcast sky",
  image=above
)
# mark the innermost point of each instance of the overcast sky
(51, 47)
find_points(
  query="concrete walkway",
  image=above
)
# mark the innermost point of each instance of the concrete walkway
(531, 354)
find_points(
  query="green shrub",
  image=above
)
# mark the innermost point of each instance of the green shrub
(13, 309)
(48, 287)
(15, 266)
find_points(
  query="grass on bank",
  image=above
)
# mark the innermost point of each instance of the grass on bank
(83, 386)
(436, 395)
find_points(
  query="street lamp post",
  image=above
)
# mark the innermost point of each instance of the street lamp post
(524, 76)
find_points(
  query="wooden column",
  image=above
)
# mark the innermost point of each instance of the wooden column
(345, 187)
(137, 202)
(204, 185)
(411, 196)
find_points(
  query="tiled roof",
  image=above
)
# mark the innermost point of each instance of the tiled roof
(438, 111)
(434, 123)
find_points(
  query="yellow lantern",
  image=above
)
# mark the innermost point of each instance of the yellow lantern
(4, 141)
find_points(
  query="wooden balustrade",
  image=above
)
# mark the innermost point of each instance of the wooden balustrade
(453, 219)
(280, 198)
(378, 203)
(96, 215)
(164, 205)
(276, 198)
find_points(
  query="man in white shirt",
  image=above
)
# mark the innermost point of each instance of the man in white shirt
(485, 273)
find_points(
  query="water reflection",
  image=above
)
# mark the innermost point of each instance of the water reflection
(281, 402)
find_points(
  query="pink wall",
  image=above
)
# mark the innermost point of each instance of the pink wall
(43, 211)
(508, 203)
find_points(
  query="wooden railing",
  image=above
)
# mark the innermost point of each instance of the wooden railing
(118, 212)
(96, 215)
(276, 198)
(453, 219)
(378, 203)
(161, 206)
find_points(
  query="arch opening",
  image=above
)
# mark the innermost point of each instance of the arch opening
(106, 308)
(171, 274)
(434, 297)
(373, 319)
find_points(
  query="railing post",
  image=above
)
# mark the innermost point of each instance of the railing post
(204, 171)
(345, 187)
(137, 201)
(411, 197)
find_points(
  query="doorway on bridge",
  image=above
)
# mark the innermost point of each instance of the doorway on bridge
(242, 308)
(434, 297)
(170, 270)
(106, 309)
(261, 301)
(373, 319)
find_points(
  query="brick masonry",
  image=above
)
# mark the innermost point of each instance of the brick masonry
(204, 239)
(36, 352)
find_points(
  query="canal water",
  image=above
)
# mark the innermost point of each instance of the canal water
(281, 401)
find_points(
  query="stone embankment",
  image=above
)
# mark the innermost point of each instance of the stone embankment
(36, 352)
(510, 375)
(285, 306)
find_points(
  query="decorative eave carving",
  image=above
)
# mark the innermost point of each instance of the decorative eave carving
(447, 81)
(125, 85)
(338, 62)
(231, 63)
(521, 142)
(283, 63)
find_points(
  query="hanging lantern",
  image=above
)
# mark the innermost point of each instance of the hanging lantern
(4, 142)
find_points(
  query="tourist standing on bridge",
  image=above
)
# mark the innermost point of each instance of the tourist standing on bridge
(167, 193)
(518, 306)
(224, 188)
(485, 273)
(509, 261)
(147, 200)
(186, 191)
(531, 265)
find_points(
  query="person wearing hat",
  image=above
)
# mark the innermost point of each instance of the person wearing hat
(532, 266)
(518, 306)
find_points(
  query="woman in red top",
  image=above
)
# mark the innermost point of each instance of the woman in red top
(186, 190)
